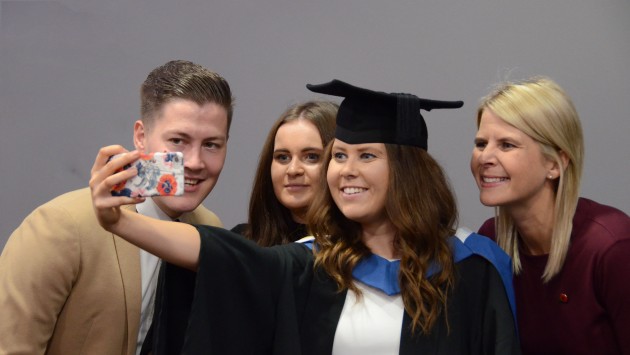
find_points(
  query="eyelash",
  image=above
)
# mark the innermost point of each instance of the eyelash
(308, 157)
(480, 145)
(338, 156)
(312, 157)
(342, 156)
(502, 145)
(281, 157)
(367, 156)
(507, 145)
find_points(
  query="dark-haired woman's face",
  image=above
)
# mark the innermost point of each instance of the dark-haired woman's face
(296, 165)
(358, 179)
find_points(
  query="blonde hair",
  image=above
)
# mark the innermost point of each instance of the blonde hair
(542, 110)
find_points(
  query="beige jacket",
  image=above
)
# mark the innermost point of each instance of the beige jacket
(67, 286)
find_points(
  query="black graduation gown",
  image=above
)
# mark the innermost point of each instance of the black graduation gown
(298, 230)
(253, 300)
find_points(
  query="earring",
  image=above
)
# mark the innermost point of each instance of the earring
(550, 176)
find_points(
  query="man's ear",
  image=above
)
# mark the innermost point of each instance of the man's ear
(139, 134)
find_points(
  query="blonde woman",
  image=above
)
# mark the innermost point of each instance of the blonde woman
(571, 255)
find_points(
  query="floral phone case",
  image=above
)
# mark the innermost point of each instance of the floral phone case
(159, 174)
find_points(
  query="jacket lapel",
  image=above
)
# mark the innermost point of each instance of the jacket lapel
(129, 263)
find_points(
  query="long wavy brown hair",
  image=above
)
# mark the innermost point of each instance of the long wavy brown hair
(269, 221)
(423, 209)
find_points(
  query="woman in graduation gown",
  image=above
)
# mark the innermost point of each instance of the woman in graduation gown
(384, 274)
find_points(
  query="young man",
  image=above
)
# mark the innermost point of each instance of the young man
(67, 286)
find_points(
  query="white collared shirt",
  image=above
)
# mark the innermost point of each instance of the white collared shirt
(149, 269)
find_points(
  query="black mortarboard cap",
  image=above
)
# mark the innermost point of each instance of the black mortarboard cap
(367, 116)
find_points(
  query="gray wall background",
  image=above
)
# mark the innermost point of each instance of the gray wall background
(70, 71)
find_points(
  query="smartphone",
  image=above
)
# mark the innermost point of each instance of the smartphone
(159, 174)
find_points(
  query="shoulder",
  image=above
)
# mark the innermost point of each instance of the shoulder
(475, 275)
(488, 229)
(240, 228)
(73, 200)
(71, 208)
(202, 215)
(608, 224)
(54, 238)
(66, 223)
(474, 268)
(465, 243)
(475, 253)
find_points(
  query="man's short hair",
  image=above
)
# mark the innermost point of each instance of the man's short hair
(185, 80)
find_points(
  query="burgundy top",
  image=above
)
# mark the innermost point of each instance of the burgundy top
(585, 309)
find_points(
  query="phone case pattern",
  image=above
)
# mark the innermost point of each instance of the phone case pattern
(158, 174)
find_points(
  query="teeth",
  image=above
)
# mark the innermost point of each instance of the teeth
(497, 179)
(353, 190)
(191, 181)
